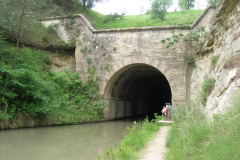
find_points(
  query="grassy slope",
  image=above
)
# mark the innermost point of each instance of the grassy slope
(194, 137)
(172, 18)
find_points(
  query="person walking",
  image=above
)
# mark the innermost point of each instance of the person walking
(169, 108)
(164, 111)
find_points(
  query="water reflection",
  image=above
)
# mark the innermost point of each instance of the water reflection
(79, 142)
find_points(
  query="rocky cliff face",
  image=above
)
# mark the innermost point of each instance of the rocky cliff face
(221, 59)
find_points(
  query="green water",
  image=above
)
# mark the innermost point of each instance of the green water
(77, 142)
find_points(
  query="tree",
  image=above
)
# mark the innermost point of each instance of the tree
(186, 4)
(213, 2)
(159, 8)
(88, 3)
(16, 17)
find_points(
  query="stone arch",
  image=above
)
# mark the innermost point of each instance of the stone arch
(136, 88)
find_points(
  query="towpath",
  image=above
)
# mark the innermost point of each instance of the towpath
(156, 148)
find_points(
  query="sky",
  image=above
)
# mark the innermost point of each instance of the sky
(135, 7)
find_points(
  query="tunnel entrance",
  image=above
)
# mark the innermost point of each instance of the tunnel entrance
(137, 90)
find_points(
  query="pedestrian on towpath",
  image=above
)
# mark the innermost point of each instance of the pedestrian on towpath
(169, 107)
(164, 111)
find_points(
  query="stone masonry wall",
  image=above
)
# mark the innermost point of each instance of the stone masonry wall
(111, 50)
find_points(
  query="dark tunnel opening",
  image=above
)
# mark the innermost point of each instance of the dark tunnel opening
(139, 90)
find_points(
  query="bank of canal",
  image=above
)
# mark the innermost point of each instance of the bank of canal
(77, 142)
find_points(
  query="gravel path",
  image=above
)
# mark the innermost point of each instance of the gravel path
(157, 147)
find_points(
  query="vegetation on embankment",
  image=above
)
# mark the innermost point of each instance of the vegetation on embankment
(98, 20)
(31, 95)
(186, 17)
(33, 33)
(194, 136)
(137, 137)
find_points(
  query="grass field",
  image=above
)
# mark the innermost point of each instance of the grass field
(185, 17)
(172, 18)
(195, 137)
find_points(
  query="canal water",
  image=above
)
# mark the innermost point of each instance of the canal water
(76, 142)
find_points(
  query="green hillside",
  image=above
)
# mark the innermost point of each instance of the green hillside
(185, 17)
(35, 34)
(172, 18)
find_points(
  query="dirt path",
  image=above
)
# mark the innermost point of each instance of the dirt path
(156, 148)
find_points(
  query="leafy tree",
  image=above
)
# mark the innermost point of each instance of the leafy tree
(213, 2)
(159, 8)
(88, 3)
(17, 17)
(186, 4)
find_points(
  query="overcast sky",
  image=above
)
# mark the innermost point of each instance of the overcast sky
(134, 7)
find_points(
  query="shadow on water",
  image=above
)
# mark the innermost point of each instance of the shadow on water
(77, 142)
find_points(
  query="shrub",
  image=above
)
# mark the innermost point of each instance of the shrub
(71, 21)
(195, 35)
(186, 4)
(51, 29)
(214, 60)
(78, 31)
(72, 41)
(106, 66)
(89, 50)
(84, 50)
(67, 25)
(32, 90)
(190, 59)
(112, 17)
(70, 15)
(207, 87)
(24, 89)
(89, 60)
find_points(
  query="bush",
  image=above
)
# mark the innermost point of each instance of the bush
(207, 87)
(190, 59)
(22, 89)
(89, 60)
(32, 90)
(84, 50)
(195, 35)
(70, 15)
(112, 17)
(186, 4)
(214, 60)
(51, 29)
(71, 21)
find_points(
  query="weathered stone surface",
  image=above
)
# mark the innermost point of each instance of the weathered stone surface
(226, 73)
(61, 62)
(135, 69)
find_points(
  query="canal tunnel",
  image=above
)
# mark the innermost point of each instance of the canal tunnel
(137, 90)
